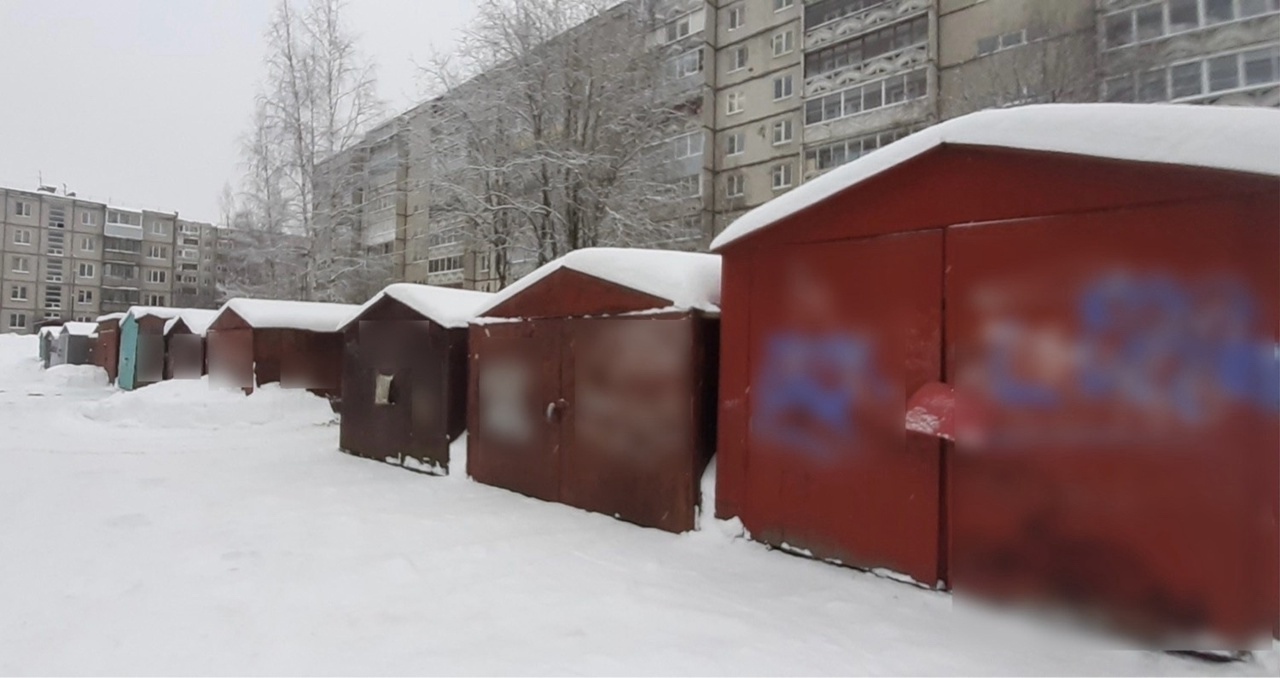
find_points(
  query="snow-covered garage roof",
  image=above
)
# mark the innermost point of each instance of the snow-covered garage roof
(109, 316)
(80, 329)
(445, 306)
(140, 312)
(1228, 138)
(688, 280)
(290, 315)
(196, 320)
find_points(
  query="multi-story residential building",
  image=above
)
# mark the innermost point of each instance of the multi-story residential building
(68, 258)
(1194, 51)
(195, 277)
(781, 91)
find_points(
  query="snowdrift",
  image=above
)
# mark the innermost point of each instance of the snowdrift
(194, 404)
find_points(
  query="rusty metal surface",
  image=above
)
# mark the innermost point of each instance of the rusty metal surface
(829, 467)
(106, 349)
(426, 395)
(1119, 419)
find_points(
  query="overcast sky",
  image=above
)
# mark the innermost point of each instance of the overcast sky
(142, 102)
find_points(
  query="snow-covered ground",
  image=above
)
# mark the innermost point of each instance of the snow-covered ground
(178, 530)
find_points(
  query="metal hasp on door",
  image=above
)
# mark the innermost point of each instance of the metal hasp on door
(611, 413)
(841, 333)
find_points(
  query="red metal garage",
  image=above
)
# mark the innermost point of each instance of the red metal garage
(404, 382)
(184, 344)
(106, 348)
(253, 342)
(1100, 285)
(593, 384)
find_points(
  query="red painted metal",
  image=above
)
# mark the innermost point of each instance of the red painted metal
(106, 349)
(243, 356)
(1100, 525)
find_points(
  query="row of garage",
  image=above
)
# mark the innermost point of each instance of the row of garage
(1032, 354)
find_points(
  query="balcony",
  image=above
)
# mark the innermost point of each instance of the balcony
(834, 31)
(901, 60)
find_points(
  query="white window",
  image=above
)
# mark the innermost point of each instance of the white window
(17, 321)
(21, 208)
(86, 270)
(154, 300)
(735, 143)
(687, 145)
(782, 132)
(157, 276)
(157, 252)
(783, 87)
(735, 102)
(690, 186)
(88, 244)
(482, 263)
(781, 176)
(779, 5)
(18, 293)
(124, 218)
(685, 65)
(88, 219)
(678, 29)
(187, 253)
(784, 42)
(735, 186)
(84, 297)
(738, 60)
(21, 236)
(157, 227)
(737, 16)
(21, 265)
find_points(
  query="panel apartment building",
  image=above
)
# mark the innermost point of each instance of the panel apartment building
(791, 89)
(66, 258)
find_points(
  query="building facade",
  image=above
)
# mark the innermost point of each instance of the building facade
(780, 91)
(67, 258)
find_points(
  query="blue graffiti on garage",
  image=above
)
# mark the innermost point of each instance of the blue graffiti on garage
(809, 387)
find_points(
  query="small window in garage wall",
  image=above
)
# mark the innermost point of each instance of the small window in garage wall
(382, 389)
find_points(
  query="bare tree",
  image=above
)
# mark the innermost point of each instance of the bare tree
(550, 129)
(317, 98)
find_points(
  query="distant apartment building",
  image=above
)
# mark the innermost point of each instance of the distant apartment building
(68, 258)
(781, 91)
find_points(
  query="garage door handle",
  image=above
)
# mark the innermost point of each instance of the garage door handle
(555, 408)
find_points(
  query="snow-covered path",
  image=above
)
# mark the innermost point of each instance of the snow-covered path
(177, 530)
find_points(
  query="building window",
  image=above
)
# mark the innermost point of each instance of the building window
(868, 97)
(85, 270)
(735, 143)
(445, 264)
(687, 145)
(21, 236)
(782, 132)
(868, 46)
(688, 187)
(1197, 78)
(735, 102)
(157, 228)
(84, 297)
(57, 217)
(188, 253)
(123, 271)
(735, 186)
(783, 87)
(17, 321)
(53, 297)
(737, 16)
(127, 245)
(21, 265)
(87, 243)
(18, 293)
(21, 208)
(781, 176)
(997, 43)
(154, 300)
(680, 28)
(88, 219)
(779, 5)
(684, 65)
(57, 241)
(157, 276)
(784, 42)
(124, 218)
(157, 252)
(1154, 21)
(824, 11)
(738, 59)
(833, 155)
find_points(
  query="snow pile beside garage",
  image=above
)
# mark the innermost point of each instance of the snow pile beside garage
(75, 376)
(192, 403)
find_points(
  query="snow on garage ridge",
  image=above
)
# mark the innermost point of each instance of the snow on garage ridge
(1226, 138)
(445, 306)
(109, 316)
(686, 279)
(313, 316)
(79, 329)
(196, 320)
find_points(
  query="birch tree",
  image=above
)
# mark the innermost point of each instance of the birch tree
(559, 129)
(317, 97)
